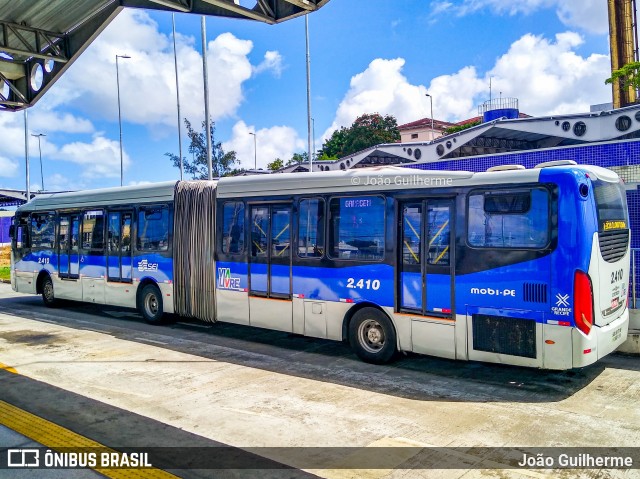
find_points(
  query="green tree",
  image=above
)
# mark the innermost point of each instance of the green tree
(629, 75)
(298, 158)
(457, 128)
(275, 165)
(222, 163)
(368, 130)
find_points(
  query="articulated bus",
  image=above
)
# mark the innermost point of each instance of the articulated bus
(523, 267)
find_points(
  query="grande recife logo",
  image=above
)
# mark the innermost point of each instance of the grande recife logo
(226, 281)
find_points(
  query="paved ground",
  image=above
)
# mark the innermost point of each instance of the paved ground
(104, 373)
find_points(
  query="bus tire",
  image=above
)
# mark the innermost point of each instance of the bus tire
(150, 304)
(372, 336)
(48, 294)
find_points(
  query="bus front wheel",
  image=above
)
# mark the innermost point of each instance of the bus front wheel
(150, 304)
(372, 336)
(48, 295)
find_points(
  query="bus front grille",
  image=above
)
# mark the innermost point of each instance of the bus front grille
(502, 335)
(613, 244)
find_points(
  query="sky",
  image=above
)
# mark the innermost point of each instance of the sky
(380, 56)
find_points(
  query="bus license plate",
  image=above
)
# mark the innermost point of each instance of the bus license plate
(616, 335)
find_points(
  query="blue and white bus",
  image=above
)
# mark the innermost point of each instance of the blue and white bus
(524, 267)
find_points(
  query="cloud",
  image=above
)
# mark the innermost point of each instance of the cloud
(588, 15)
(8, 168)
(147, 79)
(272, 62)
(382, 88)
(550, 77)
(275, 142)
(58, 182)
(547, 76)
(50, 121)
(100, 158)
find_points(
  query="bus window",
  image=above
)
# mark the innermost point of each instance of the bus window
(153, 229)
(63, 233)
(42, 230)
(411, 232)
(357, 228)
(233, 227)
(259, 229)
(611, 203)
(438, 233)
(93, 231)
(311, 228)
(509, 219)
(21, 231)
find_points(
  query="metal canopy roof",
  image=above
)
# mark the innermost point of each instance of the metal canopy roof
(40, 39)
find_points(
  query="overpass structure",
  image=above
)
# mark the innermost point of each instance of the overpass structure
(14, 197)
(40, 39)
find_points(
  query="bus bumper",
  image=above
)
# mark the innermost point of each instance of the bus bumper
(602, 340)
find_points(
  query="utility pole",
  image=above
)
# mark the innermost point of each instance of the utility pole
(38, 136)
(207, 120)
(306, 31)
(175, 63)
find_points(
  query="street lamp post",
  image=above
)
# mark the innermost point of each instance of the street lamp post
(255, 151)
(120, 116)
(431, 103)
(38, 136)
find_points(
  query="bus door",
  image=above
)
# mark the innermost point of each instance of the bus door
(270, 303)
(68, 254)
(119, 254)
(68, 257)
(426, 266)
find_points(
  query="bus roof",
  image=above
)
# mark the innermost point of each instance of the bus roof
(147, 193)
(363, 179)
(350, 181)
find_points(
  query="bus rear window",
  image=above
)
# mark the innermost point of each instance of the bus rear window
(611, 204)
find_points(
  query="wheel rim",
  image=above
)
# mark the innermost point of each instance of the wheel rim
(371, 335)
(151, 304)
(48, 291)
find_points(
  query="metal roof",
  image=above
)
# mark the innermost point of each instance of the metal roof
(40, 39)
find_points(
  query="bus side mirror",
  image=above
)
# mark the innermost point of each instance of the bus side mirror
(12, 231)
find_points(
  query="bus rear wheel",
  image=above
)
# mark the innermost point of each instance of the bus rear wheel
(372, 336)
(48, 295)
(150, 304)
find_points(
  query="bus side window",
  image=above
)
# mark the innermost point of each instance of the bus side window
(93, 231)
(42, 230)
(153, 229)
(20, 231)
(311, 228)
(357, 228)
(233, 227)
(509, 218)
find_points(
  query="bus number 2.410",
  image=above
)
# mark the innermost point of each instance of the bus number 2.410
(363, 284)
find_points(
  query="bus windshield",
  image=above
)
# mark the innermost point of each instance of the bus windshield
(611, 204)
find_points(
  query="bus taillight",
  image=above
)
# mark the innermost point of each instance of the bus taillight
(583, 302)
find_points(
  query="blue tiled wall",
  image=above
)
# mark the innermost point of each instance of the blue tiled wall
(5, 222)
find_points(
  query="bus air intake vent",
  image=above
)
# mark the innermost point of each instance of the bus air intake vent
(535, 292)
(498, 334)
(613, 245)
